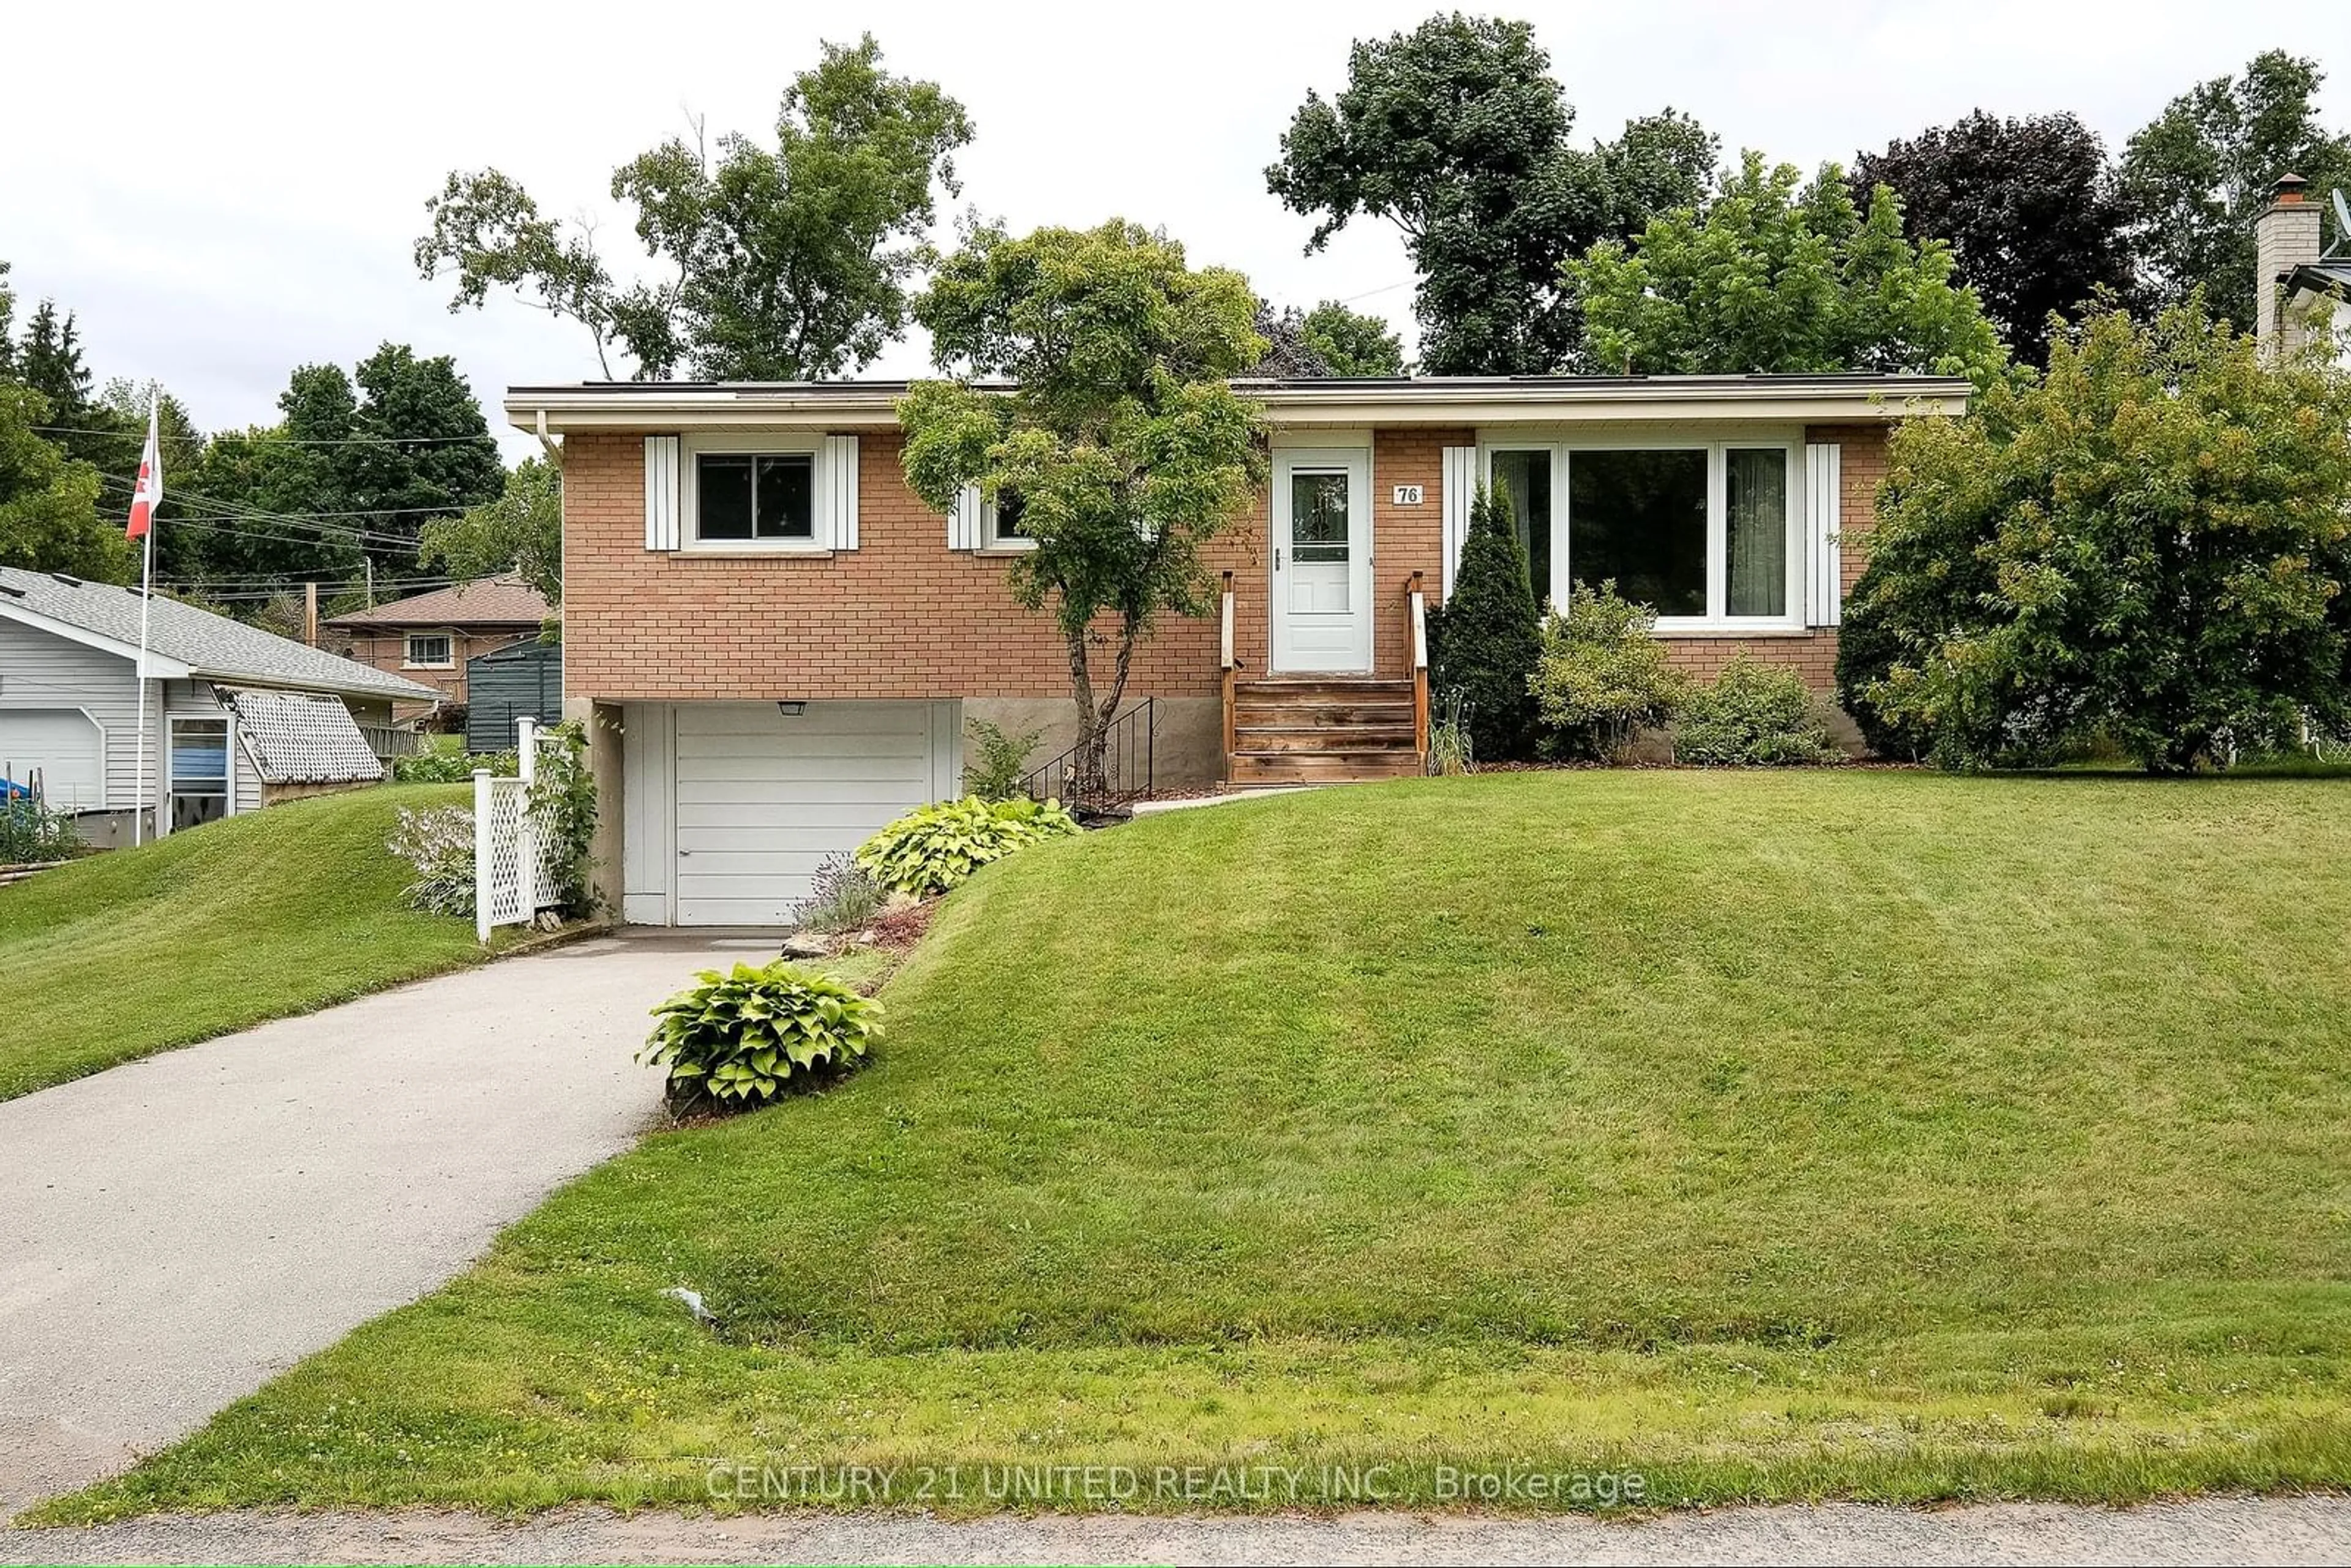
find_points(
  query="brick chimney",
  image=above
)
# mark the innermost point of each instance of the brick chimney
(2284, 236)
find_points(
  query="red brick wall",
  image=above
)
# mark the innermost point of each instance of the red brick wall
(386, 648)
(903, 616)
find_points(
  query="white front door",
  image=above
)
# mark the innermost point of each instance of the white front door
(1322, 559)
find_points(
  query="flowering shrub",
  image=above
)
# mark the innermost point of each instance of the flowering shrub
(439, 843)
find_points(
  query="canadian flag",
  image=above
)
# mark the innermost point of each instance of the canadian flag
(150, 492)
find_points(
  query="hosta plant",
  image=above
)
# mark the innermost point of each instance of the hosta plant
(739, 1039)
(933, 849)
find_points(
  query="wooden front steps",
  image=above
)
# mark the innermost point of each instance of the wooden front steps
(1320, 729)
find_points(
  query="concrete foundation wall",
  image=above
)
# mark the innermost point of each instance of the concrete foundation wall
(1187, 734)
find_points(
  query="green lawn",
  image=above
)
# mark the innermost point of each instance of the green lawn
(1867, 1133)
(132, 952)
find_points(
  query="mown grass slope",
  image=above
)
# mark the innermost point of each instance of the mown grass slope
(1865, 1134)
(212, 929)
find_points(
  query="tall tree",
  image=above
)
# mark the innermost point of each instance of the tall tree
(1458, 133)
(521, 532)
(1123, 442)
(49, 518)
(1778, 277)
(1352, 342)
(783, 265)
(49, 361)
(2197, 176)
(7, 326)
(2032, 211)
(422, 451)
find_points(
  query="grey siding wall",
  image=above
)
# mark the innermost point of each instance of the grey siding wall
(41, 669)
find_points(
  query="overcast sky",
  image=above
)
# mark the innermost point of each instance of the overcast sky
(223, 191)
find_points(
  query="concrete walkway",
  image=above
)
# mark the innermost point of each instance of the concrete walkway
(175, 1231)
(2207, 1529)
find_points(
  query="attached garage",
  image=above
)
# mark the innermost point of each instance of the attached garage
(61, 748)
(729, 808)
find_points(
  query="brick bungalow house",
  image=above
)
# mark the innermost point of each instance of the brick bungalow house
(780, 642)
(428, 637)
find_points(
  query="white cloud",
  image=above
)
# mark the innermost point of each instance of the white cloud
(254, 209)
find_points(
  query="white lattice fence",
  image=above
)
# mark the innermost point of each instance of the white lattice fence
(514, 875)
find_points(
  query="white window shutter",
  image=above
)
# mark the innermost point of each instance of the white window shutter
(1461, 487)
(963, 522)
(841, 492)
(661, 498)
(1824, 553)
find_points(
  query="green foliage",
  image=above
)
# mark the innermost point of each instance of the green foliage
(1458, 134)
(438, 842)
(454, 766)
(843, 897)
(1487, 637)
(30, 832)
(934, 848)
(48, 502)
(1776, 276)
(2034, 213)
(520, 532)
(1002, 762)
(562, 803)
(738, 1040)
(2197, 176)
(1602, 676)
(2152, 544)
(1122, 439)
(1353, 343)
(1752, 714)
(1452, 752)
(782, 265)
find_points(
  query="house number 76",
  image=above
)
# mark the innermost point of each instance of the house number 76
(1408, 495)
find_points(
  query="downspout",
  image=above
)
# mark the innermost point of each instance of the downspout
(547, 442)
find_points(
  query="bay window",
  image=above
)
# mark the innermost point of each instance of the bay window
(1702, 532)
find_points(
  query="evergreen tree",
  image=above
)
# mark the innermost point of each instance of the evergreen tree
(1488, 635)
(49, 361)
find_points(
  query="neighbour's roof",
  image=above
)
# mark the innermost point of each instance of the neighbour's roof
(1324, 401)
(183, 640)
(301, 737)
(2321, 277)
(489, 601)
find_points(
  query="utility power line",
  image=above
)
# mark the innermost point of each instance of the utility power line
(484, 439)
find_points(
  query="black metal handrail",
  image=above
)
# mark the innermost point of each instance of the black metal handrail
(1128, 758)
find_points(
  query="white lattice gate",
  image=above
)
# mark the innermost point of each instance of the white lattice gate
(513, 880)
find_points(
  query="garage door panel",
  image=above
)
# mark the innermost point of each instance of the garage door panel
(731, 722)
(761, 800)
(62, 748)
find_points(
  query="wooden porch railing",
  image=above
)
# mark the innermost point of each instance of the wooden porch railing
(1415, 608)
(1229, 663)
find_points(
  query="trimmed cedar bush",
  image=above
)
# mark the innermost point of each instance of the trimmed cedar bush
(1602, 678)
(1488, 636)
(933, 849)
(1753, 715)
(739, 1039)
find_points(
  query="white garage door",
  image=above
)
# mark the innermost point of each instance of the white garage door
(63, 748)
(763, 797)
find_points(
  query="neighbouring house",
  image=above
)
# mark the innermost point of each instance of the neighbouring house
(433, 638)
(236, 718)
(778, 643)
(2303, 289)
(521, 680)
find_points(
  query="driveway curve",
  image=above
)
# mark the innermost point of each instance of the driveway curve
(175, 1231)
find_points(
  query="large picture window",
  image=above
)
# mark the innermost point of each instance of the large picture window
(1701, 532)
(749, 496)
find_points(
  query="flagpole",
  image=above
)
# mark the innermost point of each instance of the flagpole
(139, 802)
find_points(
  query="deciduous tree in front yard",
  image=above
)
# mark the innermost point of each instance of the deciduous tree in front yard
(1122, 441)
(2152, 544)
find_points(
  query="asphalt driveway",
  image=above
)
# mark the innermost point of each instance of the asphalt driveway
(175, 1231)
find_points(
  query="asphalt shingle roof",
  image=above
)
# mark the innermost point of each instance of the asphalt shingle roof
(211, 644)
(491, 601)
(301, 737)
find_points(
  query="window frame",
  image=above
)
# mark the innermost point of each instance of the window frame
(409, 661)
(170, 781)
(991, 541)
(693, 448)
(1717, 442)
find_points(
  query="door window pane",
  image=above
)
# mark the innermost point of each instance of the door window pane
(1524, 477)
(199, 770)
(1639, 517)
(1318, 516)
(1757, 518)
